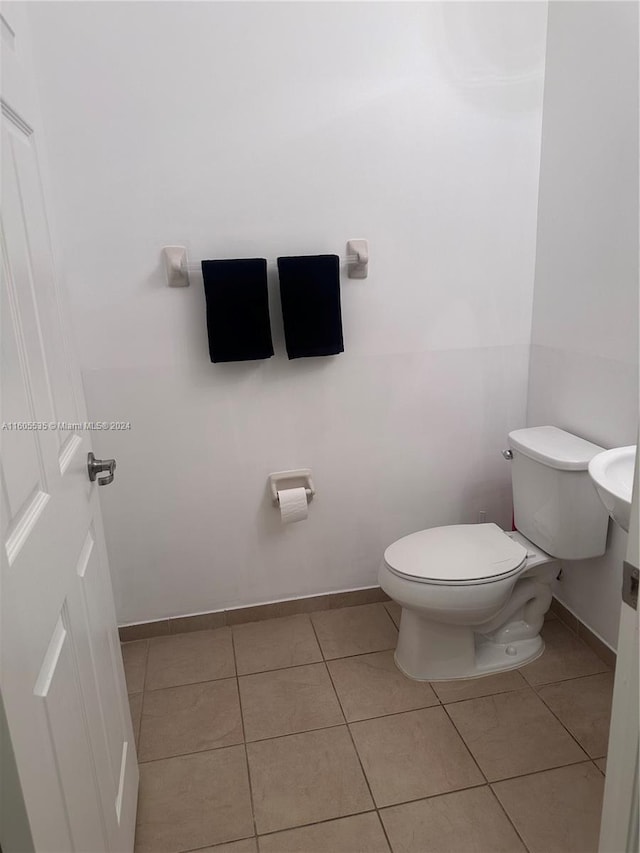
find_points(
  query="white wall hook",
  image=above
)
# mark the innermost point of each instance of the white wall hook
(175, 261)
(290, 480)
(358, 255)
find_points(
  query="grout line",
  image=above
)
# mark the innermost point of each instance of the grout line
(544, 770)
(394, 713)
(144, 689)
(322, 660)
(383, 828)
(573, 678)
(187, 754)
(389, 615)
(508, 817)
(473, 758)
(567, 730)
(221, 844)
(193, 683)
(316, 823)
(585, 760)
(335, 693)
(433, 796)
(542, 684)
(384, 603)
(481, 696)
(558, 720)
(244, 742)
(280, 668)
(315, 634)
(353, 743)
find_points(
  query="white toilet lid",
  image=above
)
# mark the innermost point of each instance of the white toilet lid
(457, 553)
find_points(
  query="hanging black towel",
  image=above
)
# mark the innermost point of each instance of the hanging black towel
(237, 309)
(310, 295)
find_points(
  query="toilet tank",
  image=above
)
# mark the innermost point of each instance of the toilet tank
(555, 503)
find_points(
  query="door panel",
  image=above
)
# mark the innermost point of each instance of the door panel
(65, 712)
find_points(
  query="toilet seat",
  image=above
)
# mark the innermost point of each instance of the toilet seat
(456, 555)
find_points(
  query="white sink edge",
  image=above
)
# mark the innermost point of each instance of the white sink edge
(612, 474)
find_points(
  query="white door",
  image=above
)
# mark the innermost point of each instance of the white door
(61, 671)
(620, 811)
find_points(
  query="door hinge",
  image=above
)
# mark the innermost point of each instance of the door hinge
(630, 581)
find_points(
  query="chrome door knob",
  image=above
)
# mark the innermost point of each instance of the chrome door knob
(98, 466)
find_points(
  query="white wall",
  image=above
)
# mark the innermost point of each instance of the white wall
(584, 356)
(264, 129)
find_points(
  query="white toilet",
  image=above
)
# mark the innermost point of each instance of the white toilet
(474, 597)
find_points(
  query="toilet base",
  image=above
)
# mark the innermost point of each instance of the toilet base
(490, 659)
(467, 654)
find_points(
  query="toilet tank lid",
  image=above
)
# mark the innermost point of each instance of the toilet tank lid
(554, 447)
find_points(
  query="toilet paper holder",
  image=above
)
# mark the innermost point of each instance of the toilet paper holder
(296, 478)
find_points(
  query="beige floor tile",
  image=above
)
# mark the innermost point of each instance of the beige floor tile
(190, 718)
(306, 778)
(189, 658)
(355, 630)
(463, 822)
(471, 688)
(565, 656)
(413, 755)
(275, 644)
(395, 611)
(358, 834)
(247, 845)
(513, 733)
(583, 705)
(287, 701)
(557, 811)
(193, 801)
(372, 685)
(134, 657)
(601, 764)
(135, 706)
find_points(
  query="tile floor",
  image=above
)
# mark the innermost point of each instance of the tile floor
(299, 735)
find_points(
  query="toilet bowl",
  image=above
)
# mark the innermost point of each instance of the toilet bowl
(473, 600)
(473, 596)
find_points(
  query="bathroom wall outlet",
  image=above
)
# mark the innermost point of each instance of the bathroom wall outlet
(482, 517)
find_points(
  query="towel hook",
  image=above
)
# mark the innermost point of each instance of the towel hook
(358, 249)
(175, 261)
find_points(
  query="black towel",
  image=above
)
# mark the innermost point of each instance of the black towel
(310, 295)
(237, 309)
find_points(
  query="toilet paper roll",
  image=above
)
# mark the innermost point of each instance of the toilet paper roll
(293, 505)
